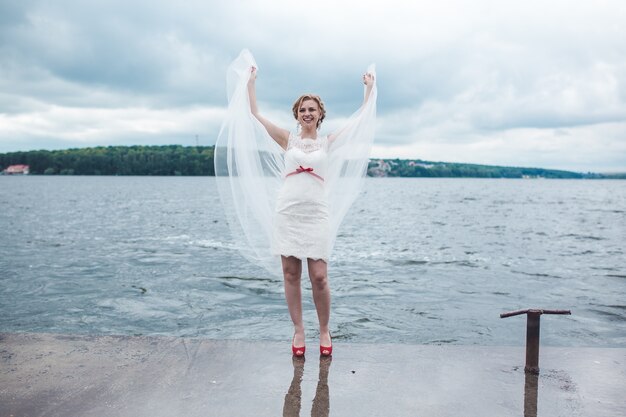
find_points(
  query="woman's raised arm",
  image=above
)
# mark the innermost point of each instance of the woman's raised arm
(281, 136)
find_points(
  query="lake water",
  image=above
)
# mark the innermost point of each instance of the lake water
(428, 261)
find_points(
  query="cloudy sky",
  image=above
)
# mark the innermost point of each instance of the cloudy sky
(523, 83)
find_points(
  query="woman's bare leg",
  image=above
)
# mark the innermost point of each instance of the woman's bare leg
(318, 274)
(292, 271)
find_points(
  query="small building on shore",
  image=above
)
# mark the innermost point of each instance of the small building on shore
(16, 170)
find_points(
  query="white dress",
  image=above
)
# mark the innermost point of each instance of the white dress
(270, 212)
(301, 223)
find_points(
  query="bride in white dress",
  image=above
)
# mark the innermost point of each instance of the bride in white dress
(289, 199)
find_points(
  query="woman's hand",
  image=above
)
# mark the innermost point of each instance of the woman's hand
(368, 79)
(252, 78)
(252, 91)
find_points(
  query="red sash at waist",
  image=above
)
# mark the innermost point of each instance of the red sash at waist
(301, 169)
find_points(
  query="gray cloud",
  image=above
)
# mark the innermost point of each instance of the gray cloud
(449, 72)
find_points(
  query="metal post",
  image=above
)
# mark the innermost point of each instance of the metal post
(532, 334)
(533, 322)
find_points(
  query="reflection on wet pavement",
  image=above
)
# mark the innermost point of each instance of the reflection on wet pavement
(531, 384)
(293, 399)
(104, 376)
(321, 401)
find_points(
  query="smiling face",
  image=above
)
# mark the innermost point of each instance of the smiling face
(309, 111)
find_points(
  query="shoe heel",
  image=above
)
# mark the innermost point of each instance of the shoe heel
(326, 350)
(297, 351)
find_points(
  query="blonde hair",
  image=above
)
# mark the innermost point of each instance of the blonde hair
(315, 98)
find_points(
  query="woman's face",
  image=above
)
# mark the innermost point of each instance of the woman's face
(309, 114)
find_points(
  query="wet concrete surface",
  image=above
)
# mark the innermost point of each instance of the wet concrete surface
(69, 375)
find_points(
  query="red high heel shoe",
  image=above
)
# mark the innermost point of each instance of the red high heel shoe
(297, 351)
(327, 350)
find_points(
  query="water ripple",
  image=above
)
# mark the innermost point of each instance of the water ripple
(416, 261)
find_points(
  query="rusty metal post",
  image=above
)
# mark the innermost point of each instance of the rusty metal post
(533, 328)
(533, 334)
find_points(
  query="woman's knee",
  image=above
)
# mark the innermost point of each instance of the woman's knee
(319, 278)
(291, 276)
(292, 272)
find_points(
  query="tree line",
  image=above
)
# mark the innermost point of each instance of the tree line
(116, 160)
(198, 160)
(419, 168)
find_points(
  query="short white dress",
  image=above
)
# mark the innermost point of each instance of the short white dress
(301, 222)
(287, 201)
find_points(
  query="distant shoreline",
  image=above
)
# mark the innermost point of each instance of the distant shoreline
(178, 160)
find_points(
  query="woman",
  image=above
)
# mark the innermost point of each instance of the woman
(309, 180)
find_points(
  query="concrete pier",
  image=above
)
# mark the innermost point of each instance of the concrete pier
(69, 375)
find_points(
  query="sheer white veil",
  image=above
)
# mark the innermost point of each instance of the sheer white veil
(348, 160)
(249, 168)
